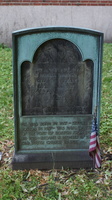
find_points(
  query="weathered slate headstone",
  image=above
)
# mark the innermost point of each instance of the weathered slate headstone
(57, 78)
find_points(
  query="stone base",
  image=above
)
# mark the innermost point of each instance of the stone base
(51, 160)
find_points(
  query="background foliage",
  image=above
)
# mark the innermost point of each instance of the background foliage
(54, 184)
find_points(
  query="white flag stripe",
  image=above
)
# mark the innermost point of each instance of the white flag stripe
(97, 162)
(93, 139)
(93, 134)
(93, 145)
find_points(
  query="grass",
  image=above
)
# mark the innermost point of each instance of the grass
(6, 94)
(106, 100)
(54, 184)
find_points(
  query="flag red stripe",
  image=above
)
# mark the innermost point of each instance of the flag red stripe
(93, 142)
(93, 136)
(92, 149)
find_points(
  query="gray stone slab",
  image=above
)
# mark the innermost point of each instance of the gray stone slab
(57, 85)
(57, 160)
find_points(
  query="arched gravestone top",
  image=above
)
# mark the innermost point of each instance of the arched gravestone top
(57, 82)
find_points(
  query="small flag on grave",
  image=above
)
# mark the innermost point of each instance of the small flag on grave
(94, 147)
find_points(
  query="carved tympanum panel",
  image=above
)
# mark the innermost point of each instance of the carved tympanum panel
(57, 82)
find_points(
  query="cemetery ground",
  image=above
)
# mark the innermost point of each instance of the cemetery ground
(54, 184)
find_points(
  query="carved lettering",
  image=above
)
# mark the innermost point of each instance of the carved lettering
(60, 128)
(54, 142)
(46, 134)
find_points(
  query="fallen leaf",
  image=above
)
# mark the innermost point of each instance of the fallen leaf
(65, 193)
(59, 198)
(23, 188)
(33, 188)
(100, 181)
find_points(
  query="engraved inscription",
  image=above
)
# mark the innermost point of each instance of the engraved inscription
(57, 82)
(55, 134)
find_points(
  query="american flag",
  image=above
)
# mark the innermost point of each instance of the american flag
(94, 147)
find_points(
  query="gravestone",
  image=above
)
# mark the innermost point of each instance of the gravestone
(57, 83)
